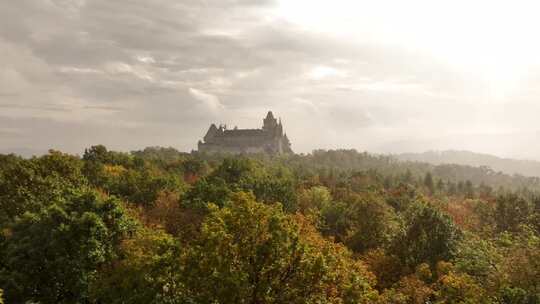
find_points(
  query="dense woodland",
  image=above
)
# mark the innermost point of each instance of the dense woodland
(161, 226)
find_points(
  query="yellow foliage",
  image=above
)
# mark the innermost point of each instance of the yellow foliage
(416, 290)
(423, 272)
(143, 271)
(345, 269)
(114, 170)
(444, 268)
(459, 288)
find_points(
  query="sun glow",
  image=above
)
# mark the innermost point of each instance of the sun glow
(492, 40)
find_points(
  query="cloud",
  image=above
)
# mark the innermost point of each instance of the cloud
(321, 72)
(10, 132)
(132, 73)
(146, 59)
(76, 70)
(210, 102)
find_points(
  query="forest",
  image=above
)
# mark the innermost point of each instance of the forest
(339, 226)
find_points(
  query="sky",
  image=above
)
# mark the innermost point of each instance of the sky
(379, 76)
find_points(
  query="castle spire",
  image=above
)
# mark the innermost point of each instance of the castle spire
(211, 133)
(269, 123)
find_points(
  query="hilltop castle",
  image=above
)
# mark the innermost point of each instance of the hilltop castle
(270, 139)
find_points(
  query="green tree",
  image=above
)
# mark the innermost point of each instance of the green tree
(402, 197)
(452, 188)
(141, 186)
(516, 295)
(52, 255)
(268, 184)
(429, 236)
(511, 211)
(458, 288)
(315, 198)
(440, 186)
(335, 221)
(534, 219)
(428, 182)
(96, 157)
(144, 273)
(468, 189)
(28, 185)
(205, 190)
(193, 169)
(372, 224)
(479, 258)
(521, 264)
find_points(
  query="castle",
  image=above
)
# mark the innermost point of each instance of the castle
(270, 139)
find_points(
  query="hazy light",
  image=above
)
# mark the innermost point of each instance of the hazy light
(495, 40)
(321, 72)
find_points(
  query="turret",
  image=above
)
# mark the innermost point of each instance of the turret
(212, 132)
(280, 128)
(269, 123)
(286, 144)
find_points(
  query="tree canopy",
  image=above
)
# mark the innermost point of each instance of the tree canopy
(162, 226)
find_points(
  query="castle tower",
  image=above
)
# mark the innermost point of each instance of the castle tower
(212, 132)
(269, 123)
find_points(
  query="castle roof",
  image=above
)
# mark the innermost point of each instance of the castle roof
(212, 131)
(243, 132)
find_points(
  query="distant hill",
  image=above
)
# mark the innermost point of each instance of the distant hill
(505, 165)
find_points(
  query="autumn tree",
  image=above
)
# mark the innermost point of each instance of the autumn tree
(145, 271)
(249, 252)
(314, 198)
(193, 169)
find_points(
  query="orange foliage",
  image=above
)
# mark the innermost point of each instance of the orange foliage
(462, 213)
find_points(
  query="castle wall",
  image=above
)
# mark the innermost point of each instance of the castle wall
(216, 148)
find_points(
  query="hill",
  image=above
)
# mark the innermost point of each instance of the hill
(505, 165)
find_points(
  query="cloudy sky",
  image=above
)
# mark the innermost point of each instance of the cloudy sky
(382, 76)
